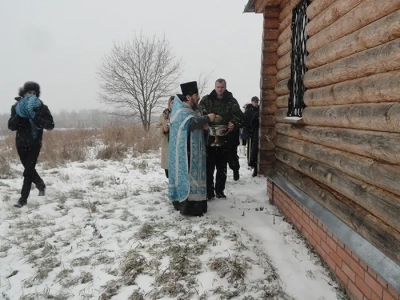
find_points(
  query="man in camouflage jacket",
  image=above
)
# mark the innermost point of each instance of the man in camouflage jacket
(222, 103)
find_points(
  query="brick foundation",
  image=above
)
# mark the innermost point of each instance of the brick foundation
(352, 273)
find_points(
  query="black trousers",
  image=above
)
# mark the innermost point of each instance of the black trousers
(217, 158)
(233, 159)
(28, 157)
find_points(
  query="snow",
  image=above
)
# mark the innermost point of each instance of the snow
(105, 230)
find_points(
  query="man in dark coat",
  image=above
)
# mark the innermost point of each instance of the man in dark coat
(251, 125)
(29, 116)
(222, 103)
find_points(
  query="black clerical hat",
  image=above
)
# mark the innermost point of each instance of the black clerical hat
(189, 88)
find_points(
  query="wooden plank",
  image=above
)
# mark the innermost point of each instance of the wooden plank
(360, 220)
(382, 87)
(272, 12)
(282, 88)
(317, 6)
(380, 59)
(375, 117)
(375, 34)
(381, 146)
(262, 5)
(270, 34)
(268, 82)
(367, 12)
(330, 15)
(285, 22)
(382, 175)
(269, 59)
(384, 205)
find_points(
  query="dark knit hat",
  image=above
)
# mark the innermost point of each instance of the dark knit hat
(255, 99)
(29, 86)
(189, 88)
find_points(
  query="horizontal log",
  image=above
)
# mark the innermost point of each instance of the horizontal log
(261, 6)
(268, 95)
(285, 35)
(268, 107)
(330, 15)
(382, 175)
(374, 230)
(381, 146)
(267, 120)
(375, 117)
(284, 61)
(268, 82)
(269, 70)
(282, 88)
(270, 46)
(284, 48)
(378, 202)
(264, 168)
(270, 34)
(375, 34)
(266, 144)
(272, 12)
(269, 59)
(288, 9)
(284, 73)
(285, 22)
(382, 87)
(380, 59)
(282, 101)
(267, 157)
(367, 12)
(271, 23)
(317, 6)
(283, 4)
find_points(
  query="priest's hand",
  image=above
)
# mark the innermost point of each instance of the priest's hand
(211, 117)
(231, 126)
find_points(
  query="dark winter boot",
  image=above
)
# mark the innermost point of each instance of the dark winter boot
(236, 175)
(177, 205)
(42, 192)
(42, 188)
(255, 172)
(220, 195)
(205, 206)
(21, 202)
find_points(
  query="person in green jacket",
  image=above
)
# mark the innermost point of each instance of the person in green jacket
(222, 103)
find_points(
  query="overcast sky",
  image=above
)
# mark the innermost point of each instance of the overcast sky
(61, 43)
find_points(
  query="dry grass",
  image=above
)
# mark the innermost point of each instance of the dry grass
(63, 146)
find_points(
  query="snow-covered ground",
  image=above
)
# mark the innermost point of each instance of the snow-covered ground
(105, 230)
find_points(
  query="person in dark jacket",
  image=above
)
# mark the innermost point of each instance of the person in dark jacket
(29, 116)
(222, 103)
(251, 125)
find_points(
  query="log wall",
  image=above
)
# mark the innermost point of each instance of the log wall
(348, 141)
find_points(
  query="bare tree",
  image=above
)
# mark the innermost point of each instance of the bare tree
(137, 74)
(202, 83)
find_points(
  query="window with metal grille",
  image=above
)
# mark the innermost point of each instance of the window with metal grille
(298, 55)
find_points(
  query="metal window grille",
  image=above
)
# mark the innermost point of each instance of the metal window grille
(298, 56)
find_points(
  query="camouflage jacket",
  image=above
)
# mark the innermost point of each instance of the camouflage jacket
(229, 109)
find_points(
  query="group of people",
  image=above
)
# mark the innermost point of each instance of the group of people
(187, 154)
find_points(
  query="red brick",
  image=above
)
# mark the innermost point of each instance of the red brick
(330, 261)
(372, 273)
(373, 284)
(349, 272)
(375, 297)
(342, 276)
(339, 243)
(331, 243)
(357, 268)
(335, 258)
(348, 250)
(313, 226)
(363, 265)
(346, 258)
(365, 289)
(321, 234)
(355, 257)
(393, 292)
(387, 296)
(354, 290)
(382, 282)
(320, 251)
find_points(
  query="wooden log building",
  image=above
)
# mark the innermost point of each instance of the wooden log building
(330, 132)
